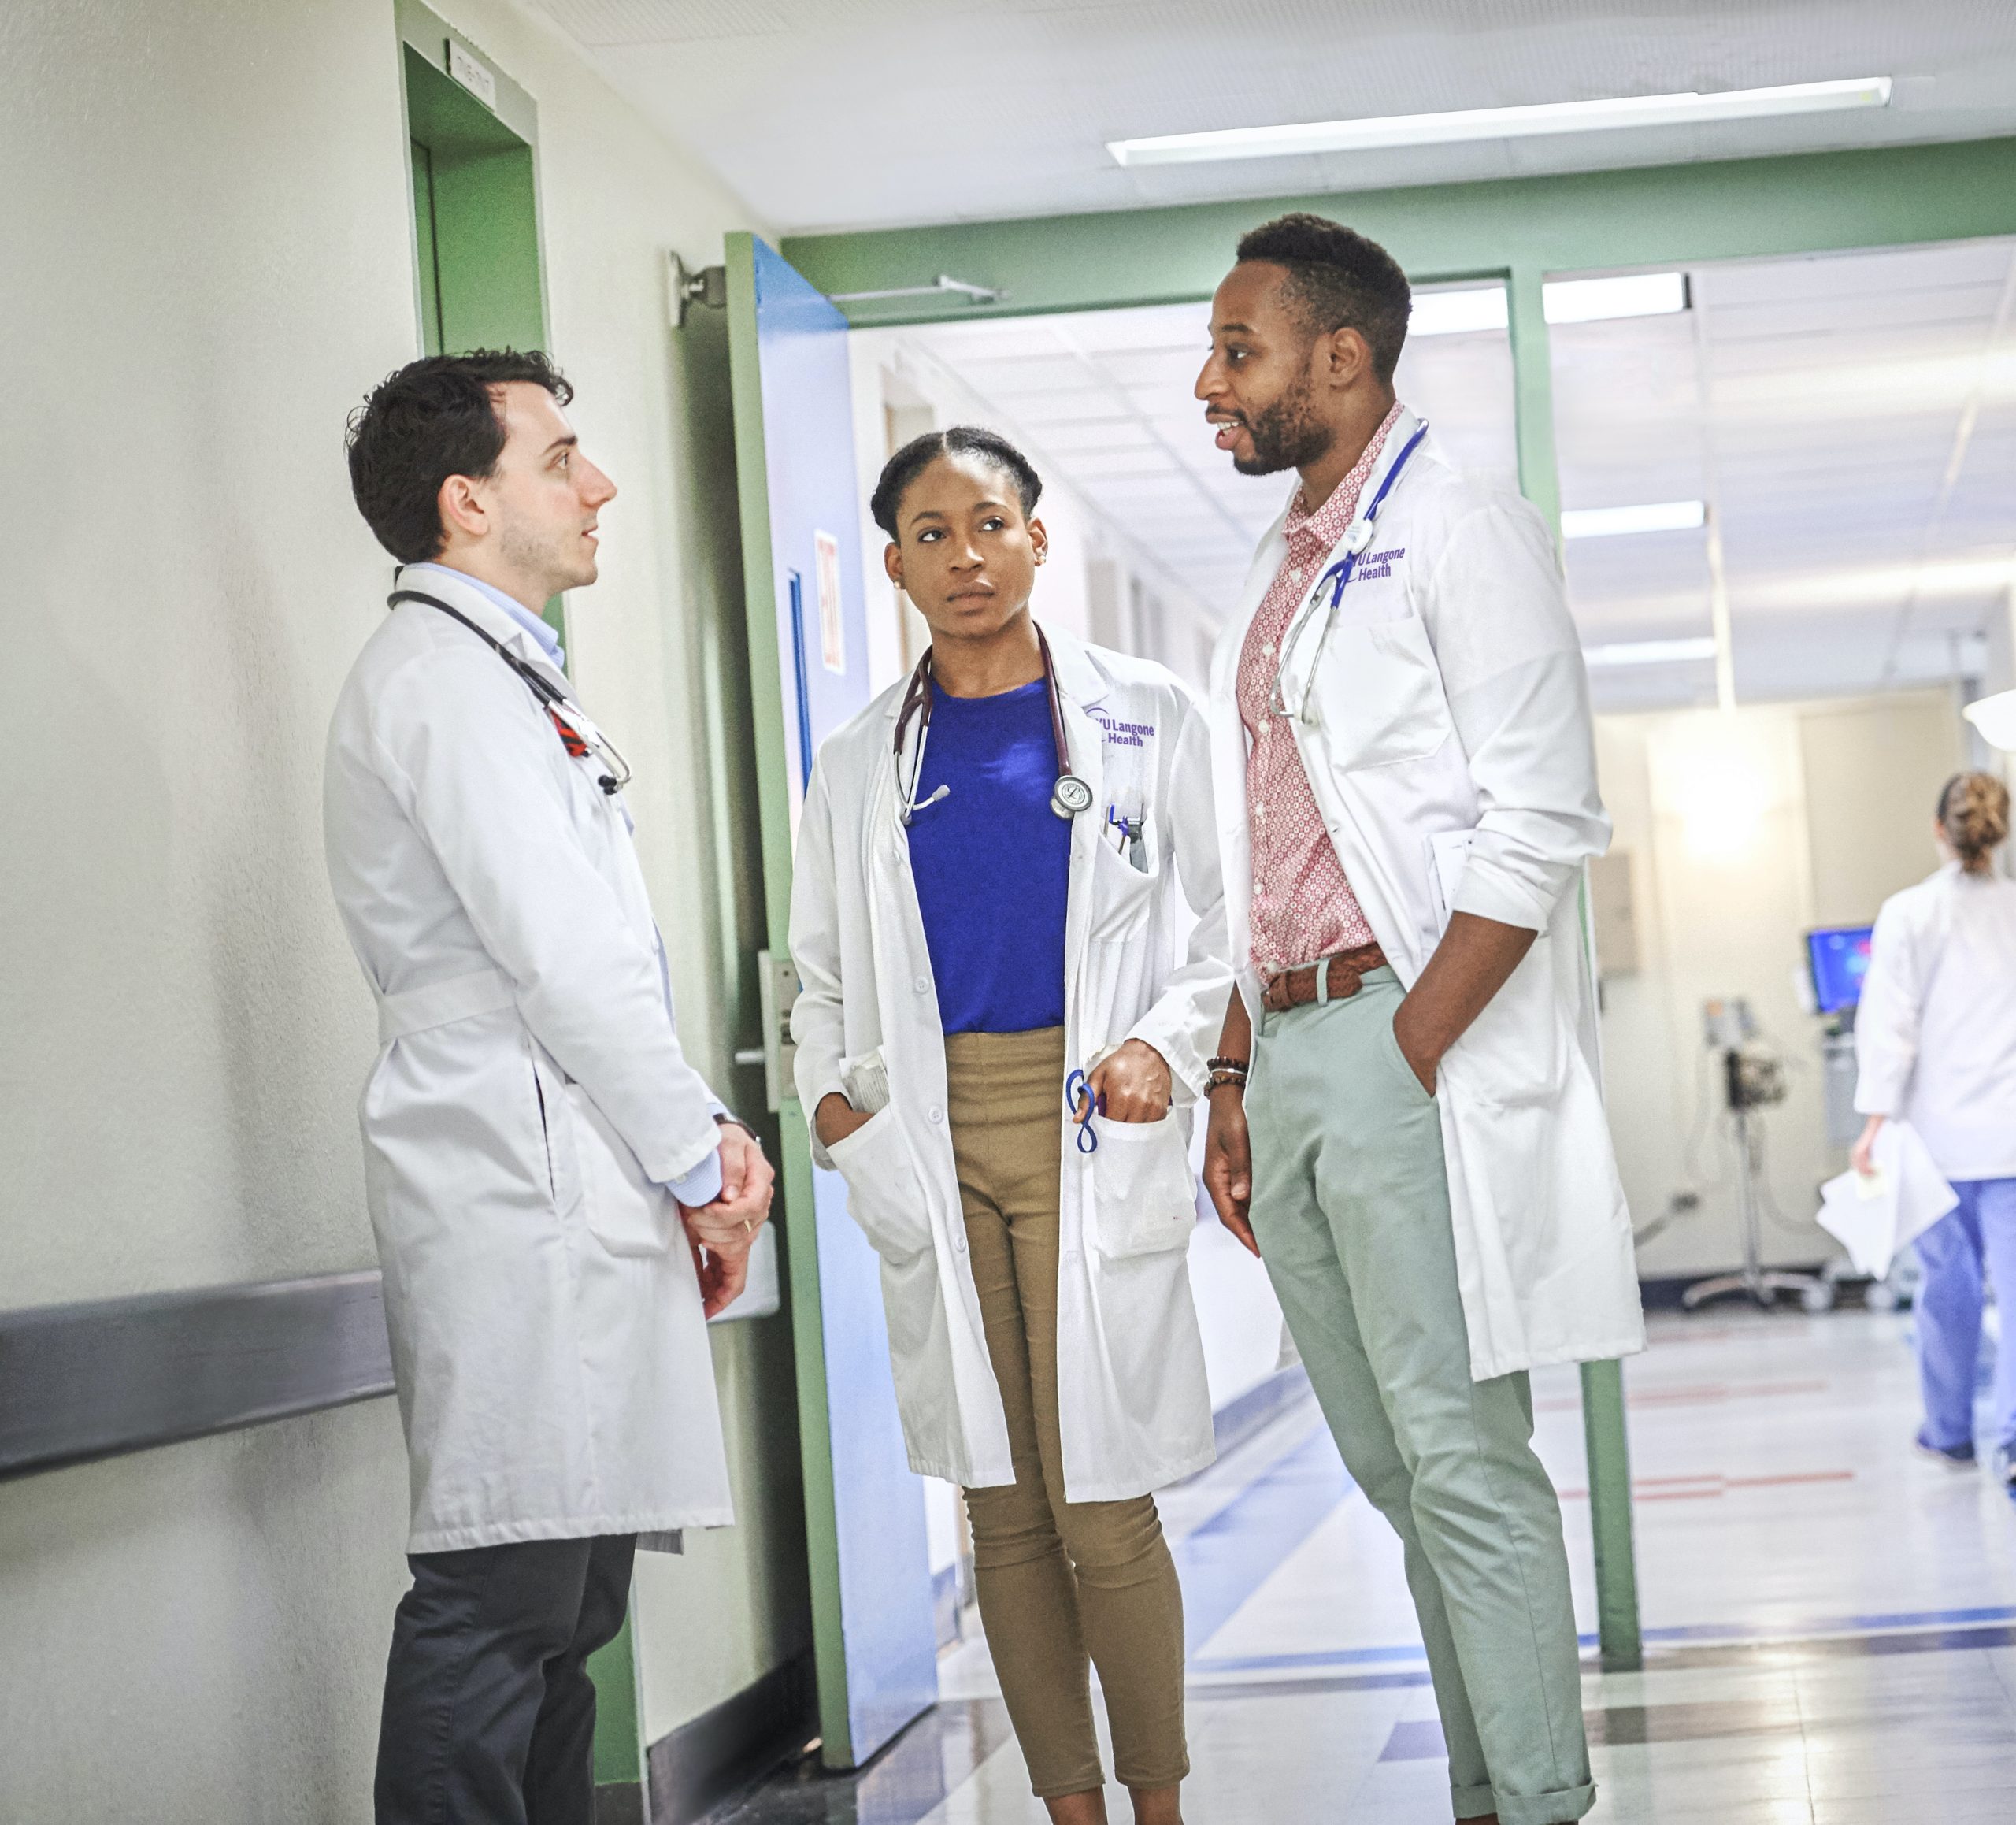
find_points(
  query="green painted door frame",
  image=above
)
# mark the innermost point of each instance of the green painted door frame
(794, 1184)
(479, 279)
(1605, 1438)
(1519, 231)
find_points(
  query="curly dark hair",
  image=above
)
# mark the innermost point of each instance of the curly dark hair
(432, 419)
(920, 453)
(1337, 280)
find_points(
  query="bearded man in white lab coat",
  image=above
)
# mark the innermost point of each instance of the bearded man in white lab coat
(560, 1201)
(1405, 787)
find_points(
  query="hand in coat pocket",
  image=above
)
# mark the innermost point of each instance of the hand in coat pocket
(1130, 1084)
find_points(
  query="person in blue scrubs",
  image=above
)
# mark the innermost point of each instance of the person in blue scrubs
(1936, 1042)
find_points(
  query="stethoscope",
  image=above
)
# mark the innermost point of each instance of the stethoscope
(1358, 539)
(1067, 797)
(579, 737)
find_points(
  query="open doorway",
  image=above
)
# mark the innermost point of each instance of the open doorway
(1788, 491)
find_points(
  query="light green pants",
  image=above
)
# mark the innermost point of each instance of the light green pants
(1350, 1208)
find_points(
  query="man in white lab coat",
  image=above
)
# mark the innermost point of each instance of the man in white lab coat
(1405, 788)
(560, 1201)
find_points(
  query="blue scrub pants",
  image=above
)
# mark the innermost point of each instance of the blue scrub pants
(1980, 1233)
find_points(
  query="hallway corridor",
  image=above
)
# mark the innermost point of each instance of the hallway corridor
(1830, 1621)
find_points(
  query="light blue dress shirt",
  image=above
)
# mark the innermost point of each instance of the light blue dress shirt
(549, 641)
(703, 1184)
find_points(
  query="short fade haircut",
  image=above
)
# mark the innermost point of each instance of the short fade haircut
(433, 418)
(886, 504)
(1337, 279)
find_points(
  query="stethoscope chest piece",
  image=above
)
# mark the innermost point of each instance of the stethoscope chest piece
(1070, 795)
(1357, 534)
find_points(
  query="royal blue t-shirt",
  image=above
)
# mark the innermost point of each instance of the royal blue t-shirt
(992, 862)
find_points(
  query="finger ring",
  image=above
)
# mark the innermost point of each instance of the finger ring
(746, 1228)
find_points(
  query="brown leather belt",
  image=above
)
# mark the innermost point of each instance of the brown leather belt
(1292, 988)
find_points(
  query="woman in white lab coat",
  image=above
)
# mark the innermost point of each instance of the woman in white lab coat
(1002, 1054)
(1935, 1041)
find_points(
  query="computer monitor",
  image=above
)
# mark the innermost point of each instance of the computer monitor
(1840, 959)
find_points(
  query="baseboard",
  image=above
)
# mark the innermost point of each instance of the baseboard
(700, 1764)
(620, 1803)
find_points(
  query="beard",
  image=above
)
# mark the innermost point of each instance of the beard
(1286, 434)
(552, 553)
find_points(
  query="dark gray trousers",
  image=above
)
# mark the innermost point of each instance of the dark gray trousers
(490, 1714)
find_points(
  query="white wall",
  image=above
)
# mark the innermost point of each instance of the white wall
(1742, 832)
(209, 261)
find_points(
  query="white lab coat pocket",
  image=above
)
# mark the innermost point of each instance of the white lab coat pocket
(625, 1211)
(884, 1194)
(1515, 1053)
(1124, 886)
(1379, 694)
(1144, 1198)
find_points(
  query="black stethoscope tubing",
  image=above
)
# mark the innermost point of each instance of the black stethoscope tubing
(551, 698)
(1067, 797)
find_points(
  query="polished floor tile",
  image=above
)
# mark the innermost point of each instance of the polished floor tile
(1830, 1622)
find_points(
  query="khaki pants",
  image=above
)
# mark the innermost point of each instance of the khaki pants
(1059, 1582)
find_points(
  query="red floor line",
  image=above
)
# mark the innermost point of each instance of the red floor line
(1710, 1483)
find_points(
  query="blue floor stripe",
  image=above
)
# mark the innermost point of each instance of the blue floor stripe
(1790, 1631)
(1862, 1625)
(1226, 1559)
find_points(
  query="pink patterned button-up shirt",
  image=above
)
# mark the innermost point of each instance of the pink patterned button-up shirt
(1303, 907)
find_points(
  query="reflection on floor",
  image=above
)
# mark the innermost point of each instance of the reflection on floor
(1830, 1621)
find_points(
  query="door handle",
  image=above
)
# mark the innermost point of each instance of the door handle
(776, 979)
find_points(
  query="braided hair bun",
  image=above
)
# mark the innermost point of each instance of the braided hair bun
(1974, 812)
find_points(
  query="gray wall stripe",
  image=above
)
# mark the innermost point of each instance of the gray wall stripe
(91, 1380)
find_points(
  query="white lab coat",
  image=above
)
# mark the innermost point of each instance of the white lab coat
(1450, 754)
(529, 1101)
(1134, 1410)
(1936, 1031)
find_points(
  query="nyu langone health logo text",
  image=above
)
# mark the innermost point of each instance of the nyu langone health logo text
(1119, 734)
(1377, 564)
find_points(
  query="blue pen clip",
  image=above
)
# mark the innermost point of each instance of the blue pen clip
(1076, 1091)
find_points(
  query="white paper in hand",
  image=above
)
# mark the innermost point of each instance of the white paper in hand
(1873, 1218)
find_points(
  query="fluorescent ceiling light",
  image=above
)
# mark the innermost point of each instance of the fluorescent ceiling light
(1995, 718)
(1383, 131)
(1469, 309)
(1651, 652)
(1610, 522)
(1458, 313)
(1631, 295)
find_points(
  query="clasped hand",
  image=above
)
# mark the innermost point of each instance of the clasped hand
(720, 1234)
